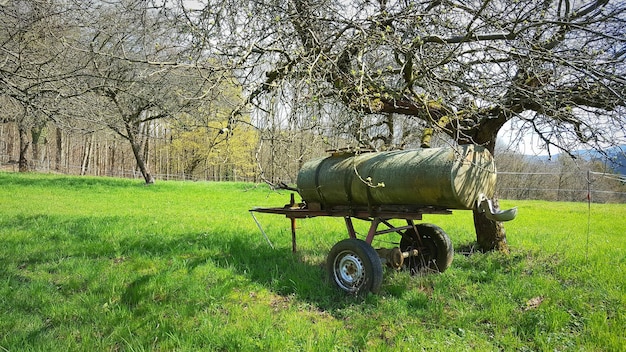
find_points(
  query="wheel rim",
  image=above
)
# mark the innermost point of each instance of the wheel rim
(425, 256)
(349, 271)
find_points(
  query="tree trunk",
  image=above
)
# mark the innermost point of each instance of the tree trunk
(59, 150)
(86, 155)
(138, 152)
(36, 134)
(10, 142)
(112, 159)
(490, 235)
(24, 143)
(141, 163)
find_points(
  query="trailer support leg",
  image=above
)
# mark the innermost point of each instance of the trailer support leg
(418, 236)
(372, 232)
(350, 227)
(293, 235)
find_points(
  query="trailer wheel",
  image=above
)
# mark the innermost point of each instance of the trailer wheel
(435, 249)
(354, 267)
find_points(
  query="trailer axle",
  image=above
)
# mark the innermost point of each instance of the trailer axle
(394, 257)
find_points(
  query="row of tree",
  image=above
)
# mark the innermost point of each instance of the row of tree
(382, 74)
(560, 178)
(170, 150)
(92, 65)
(188, 155)
(170, 153)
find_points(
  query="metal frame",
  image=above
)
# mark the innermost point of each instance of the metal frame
(376, 215)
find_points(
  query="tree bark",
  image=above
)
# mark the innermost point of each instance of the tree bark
(37, 132)
(87, 155)
(112, 159)
(490, 235)
(136, 146)
(59, 150)
(141, 163)
(24, 144)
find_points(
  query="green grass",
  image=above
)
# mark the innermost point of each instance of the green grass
(110, 264)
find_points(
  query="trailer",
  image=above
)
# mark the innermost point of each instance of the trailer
(379, 187)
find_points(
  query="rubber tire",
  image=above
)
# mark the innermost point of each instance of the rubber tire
(437, 254)
(354, 267)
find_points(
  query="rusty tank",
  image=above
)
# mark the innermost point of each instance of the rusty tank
(458, 177)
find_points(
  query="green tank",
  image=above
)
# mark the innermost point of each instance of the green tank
(451, 177)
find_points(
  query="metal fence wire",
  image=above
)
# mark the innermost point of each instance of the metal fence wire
(572, 186)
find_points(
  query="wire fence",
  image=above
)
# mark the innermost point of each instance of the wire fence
(575, 186)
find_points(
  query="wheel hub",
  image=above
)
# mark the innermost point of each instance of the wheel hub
(349, 271)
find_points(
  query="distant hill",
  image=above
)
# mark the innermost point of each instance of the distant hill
(615, 157)
(620, 160)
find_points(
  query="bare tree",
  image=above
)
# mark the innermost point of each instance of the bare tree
(465, 68)
(141, 69)
(91, 64)
(33, 68)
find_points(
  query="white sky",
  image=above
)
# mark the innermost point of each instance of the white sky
(528, 144)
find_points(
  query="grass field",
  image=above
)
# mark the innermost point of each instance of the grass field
(99, 264)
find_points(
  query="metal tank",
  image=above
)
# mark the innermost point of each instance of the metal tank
(457, 177)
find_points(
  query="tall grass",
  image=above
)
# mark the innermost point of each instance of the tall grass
(111, 264)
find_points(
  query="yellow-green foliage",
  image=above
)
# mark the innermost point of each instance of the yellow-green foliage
(209, 139)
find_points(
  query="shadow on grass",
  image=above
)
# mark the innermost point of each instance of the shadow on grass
(285, 273)
(301, 275)
(134, 292)
(482, 267)
(49, 240)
